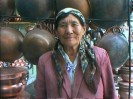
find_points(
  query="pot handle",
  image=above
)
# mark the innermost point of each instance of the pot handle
(24, 78)
(116, 29)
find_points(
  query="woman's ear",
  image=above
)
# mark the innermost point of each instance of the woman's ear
(56, 34)
(84, 28)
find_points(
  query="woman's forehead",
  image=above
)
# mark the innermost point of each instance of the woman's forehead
(69, 18)
(66, 11)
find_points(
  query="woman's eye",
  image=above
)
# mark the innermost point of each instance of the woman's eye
(62, 25)
(74, 24)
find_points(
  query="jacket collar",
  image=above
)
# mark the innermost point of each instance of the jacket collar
(73, 91)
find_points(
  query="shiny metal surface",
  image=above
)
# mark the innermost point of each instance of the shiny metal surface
(37, 42)
(13, 81)
(108, 13)
(81, 5)
(34, 10)
(115, 43)
(10, 44)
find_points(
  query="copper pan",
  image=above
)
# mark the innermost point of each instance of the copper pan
(34, 10)
(13, 81)
(108, 13)
(115, 43)
(81, 5)
(12, 90)
(37, 42)
(13, 75)
(7, 8)
(10, 44)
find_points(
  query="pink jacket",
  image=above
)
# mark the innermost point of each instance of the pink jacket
(46, 81)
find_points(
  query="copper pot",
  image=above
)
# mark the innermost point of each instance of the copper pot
(125, 77)
(8, 91)
(13, 75)
(115, 43)
(10, 44)
(13, 81)
(81, 5)
(109, 12)
(37, 42)
(33, 10)
(7, 8)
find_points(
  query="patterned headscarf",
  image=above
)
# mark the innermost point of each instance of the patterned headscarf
(73, 11)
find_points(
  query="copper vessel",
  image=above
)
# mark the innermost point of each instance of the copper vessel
(81, 5)
(116, 44)
(34, 10)
(13, 81)
(7, 8)
(124, 90)
(108, 13)
(124, 73)
(37, 42)
(10, 44)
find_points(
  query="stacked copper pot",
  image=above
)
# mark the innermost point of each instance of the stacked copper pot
(13, 81)
(126, 84)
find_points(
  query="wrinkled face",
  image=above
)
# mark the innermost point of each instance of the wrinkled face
(70, 31)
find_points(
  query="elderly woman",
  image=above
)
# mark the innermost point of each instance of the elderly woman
(74, 69)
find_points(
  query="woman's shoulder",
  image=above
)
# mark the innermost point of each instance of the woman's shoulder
(98, 49)
(45, 56)
(100, 52)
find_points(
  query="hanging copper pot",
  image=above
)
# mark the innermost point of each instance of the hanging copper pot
(34, 10)
(13, 81)
(10, 44)
(7, 8)
(115, 43)
(81, 5)
(37, 42)
(108, 13)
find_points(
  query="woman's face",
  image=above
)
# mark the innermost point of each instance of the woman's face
(70, 31)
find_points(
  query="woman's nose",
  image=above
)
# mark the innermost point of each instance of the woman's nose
(69, 29)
